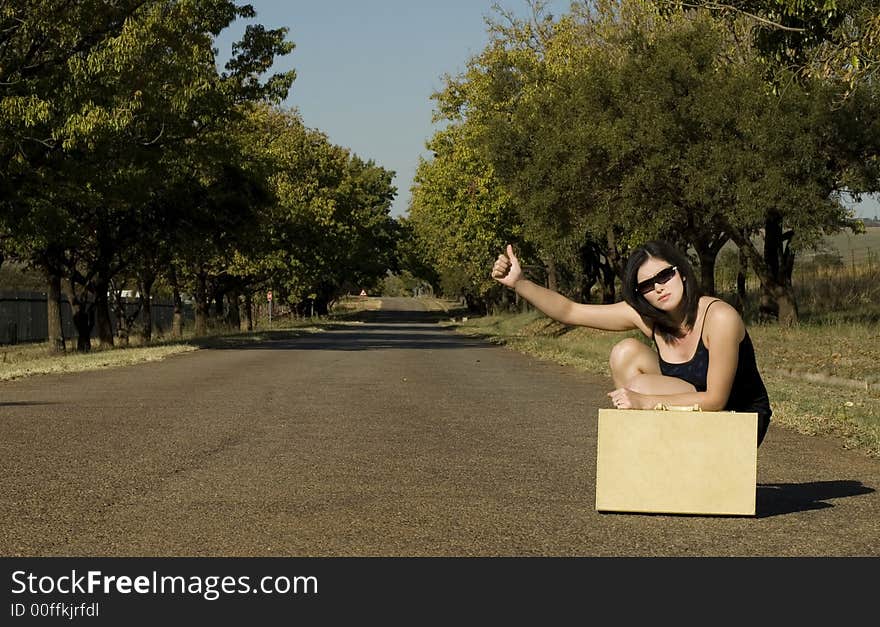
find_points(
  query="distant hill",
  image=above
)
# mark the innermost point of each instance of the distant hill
(871, 221)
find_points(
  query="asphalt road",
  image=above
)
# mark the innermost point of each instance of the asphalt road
(390, 437)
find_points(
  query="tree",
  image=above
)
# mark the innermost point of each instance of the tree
(410, 255)
(329, 223)
(619, 123)
(835, 40)
(39, 44)
(142, 88)
(532, 100)
(461, 218)
(819, 57)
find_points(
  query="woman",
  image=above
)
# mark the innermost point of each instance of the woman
(704, 354)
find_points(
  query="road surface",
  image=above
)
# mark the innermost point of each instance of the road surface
(392, 437)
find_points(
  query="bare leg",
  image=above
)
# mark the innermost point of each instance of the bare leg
(635, 366)
(630, 358)
(659, 385)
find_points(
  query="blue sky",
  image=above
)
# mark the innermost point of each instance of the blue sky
(868, 208)
(366, 69)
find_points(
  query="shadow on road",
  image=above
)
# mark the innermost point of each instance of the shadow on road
(24, 403)
(395, 317)
(774, 499)
(353, 337)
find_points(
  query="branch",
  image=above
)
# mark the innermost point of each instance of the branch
(41, 141)
(157, 138)
(726, 7)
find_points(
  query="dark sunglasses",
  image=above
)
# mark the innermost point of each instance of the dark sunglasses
(661, 277)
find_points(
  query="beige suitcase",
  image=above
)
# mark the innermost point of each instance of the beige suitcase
(677, 462)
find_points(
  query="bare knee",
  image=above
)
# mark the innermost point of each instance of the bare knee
(625, 353)
(629, 358)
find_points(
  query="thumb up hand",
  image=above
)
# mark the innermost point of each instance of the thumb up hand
(507, 270)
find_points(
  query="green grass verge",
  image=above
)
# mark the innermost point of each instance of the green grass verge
(846, 354)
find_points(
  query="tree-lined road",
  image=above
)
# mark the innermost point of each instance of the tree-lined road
(379, 438)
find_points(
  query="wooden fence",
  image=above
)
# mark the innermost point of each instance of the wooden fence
(24, 317)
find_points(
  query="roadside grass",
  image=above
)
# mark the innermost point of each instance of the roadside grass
(24, 360)
(34, 359)
(349, 309)
(349, 304)
(841, 398)
(354, 304)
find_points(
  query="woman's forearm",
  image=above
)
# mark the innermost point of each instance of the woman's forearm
(551, 303)
(705, 400)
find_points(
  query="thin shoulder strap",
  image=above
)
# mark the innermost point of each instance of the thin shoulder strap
(706, 313)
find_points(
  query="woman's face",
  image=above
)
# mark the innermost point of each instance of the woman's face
(664, 296)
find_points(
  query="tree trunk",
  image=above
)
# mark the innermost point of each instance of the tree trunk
(612, 254)
(707, 249)
(472, 304)
(768, 308)
(609, 274)
(177, 315)
(742, 272)
(201, 297)
(788, 312)
(708, 242)
(786, 267)
(779, 259)
(707, 272)
(503, 302)
(249, 310)
(586, 289)
(53, 311)
(102, 311)
(83, 317)
(83, 320)
(146, 289)
(219, 305)
(122, 322)
(319, 306)
(589, 259)
(611, 267)
(552, 275)
(233, 310)
(775, 292)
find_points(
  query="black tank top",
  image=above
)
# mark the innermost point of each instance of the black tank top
(747, 394)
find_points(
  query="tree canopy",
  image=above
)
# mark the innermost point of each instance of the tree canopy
(625, 121)
(127, 156)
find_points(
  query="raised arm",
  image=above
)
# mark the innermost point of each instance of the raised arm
(617, 317)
